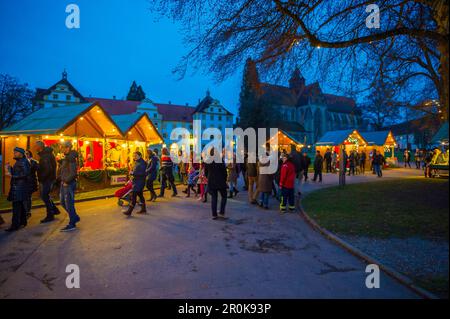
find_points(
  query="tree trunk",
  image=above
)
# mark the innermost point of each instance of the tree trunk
(440, 14)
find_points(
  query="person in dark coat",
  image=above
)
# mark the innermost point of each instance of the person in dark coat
(362, 162)
(327, 158)
(139, 174)
(33, 181)
(306, 162)
(352, 163)
(318, 166)
(46, 174)
(68, 174)
(216, 173)
(152, 174)
(19, 190)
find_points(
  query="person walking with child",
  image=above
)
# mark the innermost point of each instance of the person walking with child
(139, 174)
(192, 180)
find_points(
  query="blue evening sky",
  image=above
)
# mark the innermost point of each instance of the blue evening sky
(119, 41)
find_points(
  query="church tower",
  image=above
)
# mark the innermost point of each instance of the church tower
(297, 82)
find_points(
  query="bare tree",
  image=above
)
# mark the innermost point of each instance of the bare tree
(15, 100)
(331, 36)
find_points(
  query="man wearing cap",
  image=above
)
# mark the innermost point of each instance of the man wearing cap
(68, 176)
(19, 190)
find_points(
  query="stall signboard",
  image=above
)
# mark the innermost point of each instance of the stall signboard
(119, 179)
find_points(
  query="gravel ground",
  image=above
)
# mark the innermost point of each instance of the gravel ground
(413, 256)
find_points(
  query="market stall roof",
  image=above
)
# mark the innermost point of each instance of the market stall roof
(441, 135)
(88, 120)
(334, 138)
(285, 139)
(379, 138)
(139, 127)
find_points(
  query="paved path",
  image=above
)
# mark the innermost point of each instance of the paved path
(177, 251)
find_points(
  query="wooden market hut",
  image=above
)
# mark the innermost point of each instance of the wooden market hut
(285, 140)
(138, 131)
(382, 141)
(352, 140)
(92, 131)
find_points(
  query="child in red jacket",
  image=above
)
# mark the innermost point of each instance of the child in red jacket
(287, 184)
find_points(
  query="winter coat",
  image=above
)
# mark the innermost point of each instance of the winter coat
(327, 157)
(287, 177)
(47, 166)
(33, 181)
(306, 162)
(216, 173)
(20, 174)
(139, 174)
(232, 173)
(318, 163)
(265, 181)
(166, 165)
(296, 160)
(68, 168)
(152, 168)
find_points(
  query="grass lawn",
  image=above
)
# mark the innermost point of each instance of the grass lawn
(395, 208)
(416, 207)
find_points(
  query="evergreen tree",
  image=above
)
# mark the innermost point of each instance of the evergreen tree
(249, 96)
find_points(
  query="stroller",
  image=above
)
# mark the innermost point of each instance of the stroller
(124, 195)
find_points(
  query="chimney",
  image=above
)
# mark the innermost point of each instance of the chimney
(170, 102)
(187, 104)
(114, 97)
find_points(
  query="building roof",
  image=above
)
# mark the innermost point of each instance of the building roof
(289, 126)
(47, 120)
(55, 120)
(281, 95)
(116, 107)
(176, 113)
(337, 137)
(206, 102)
(442, 135)
(40, 93)
(138, 126)
(169, 112)
(379, 137)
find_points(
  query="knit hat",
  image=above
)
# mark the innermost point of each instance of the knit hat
(20, 150)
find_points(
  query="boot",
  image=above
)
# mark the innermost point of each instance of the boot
(129, 211)
(143, 210)
(231, 194)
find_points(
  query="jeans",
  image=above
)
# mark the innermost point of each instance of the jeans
(378, 170)
(67, 197)
(135, 195)
(265, 199)
(45, 189)
(149, 185)
(214, 197)
(287, 198)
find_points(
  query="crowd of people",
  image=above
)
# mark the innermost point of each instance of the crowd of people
(422, 160)
(46, 173)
